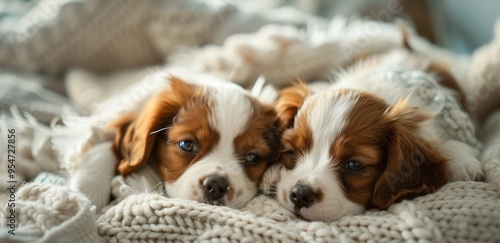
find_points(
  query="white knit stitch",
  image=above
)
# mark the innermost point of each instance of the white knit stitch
(455, 123)
(425, 219)
(49, 213)
(491, 155)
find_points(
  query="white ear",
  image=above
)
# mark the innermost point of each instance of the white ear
(270, 179)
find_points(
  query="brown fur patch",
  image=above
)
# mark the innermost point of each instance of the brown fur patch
(290, 101)
(230, 195)
(361, 140)
(287, 106)
(320, 195)
(173, 161)
(285, 196)
(414, 166)
(239, 193)
(262, 137)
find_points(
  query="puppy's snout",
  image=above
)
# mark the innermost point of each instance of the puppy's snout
(215, 187)
(302, 196)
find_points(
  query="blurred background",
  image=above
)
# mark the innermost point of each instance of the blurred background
(41, 40)
(459, 25)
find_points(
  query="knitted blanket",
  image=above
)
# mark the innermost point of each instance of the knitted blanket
(49, 211)
(459, 211)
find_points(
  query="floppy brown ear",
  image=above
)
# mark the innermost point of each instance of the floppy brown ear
(120, 126)
(289, 102)
(414, 166)
(136, 133)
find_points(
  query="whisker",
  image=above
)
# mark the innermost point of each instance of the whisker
(174, 121)
(268, 190)
(202, 154)
(158, 187)
(159, 130)
(237, 204)
(192, 161)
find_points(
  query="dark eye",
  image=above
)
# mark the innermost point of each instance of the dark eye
(188, 146)
(290, 153)
(354, 166)
(289, 159)
(252, 158)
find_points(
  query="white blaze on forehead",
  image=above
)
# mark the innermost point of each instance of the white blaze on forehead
(327, 114)
(232, 110)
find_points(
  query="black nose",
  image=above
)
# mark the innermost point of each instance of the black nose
(303, 196)
(215, 187)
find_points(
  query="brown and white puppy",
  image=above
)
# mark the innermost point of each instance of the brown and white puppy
(366, 143)
(209, 143)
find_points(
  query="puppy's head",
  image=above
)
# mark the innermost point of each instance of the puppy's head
(346, 151)
(210, 144)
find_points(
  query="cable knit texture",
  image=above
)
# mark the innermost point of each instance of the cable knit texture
(465, 211)
(51, 213)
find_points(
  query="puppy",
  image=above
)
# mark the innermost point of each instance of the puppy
(209, 143)
(366, 143)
